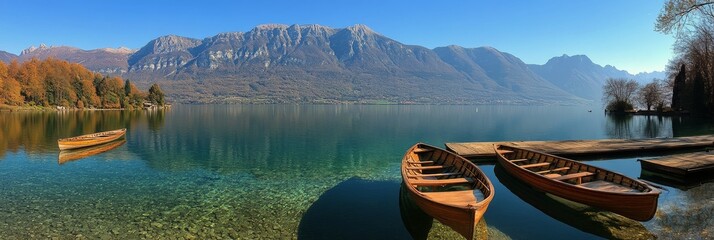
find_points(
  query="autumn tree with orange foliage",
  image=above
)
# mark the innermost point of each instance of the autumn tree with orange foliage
(9, 87)
(54, 82)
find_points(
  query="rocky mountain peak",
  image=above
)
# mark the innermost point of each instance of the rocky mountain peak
(167, 44)
(165, 52)
(271, 26)
(33, 49)
(571, 60)
(172, 43)
(361, 29)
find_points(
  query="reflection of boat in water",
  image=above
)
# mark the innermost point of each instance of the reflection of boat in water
(580, 182)
(90, 139)
(447, 187)
(416, 221)
(74, 154)
(585, 218)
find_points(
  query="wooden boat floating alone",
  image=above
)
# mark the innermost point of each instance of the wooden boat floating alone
(90, 139)
(580, 182)
(447, 187)
(74, 154)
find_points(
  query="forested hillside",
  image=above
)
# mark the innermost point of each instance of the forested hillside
(53, 82)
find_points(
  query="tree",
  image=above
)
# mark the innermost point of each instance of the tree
(53, 82)
(651, 94)
(678, 15)
(9, 87)
(10, 90)
(31, 83)
(156, 96)
(679, 89)
(692, 22)
(619, 94)
(127, 88)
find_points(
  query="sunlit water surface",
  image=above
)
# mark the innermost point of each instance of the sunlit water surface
(305, 171)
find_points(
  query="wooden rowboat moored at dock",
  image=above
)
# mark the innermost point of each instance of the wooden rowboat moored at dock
(90, 139)
(447, 187)
(580, 182)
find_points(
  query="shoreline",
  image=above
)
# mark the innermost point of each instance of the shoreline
(6, 108)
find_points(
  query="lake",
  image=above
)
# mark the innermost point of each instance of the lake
(308, 172)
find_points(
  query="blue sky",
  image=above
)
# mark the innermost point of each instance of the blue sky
(619, 33)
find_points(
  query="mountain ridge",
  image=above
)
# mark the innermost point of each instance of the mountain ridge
(580, 76)
(6, 56)
(315, 63)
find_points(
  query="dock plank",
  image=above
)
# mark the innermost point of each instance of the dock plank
(585, 147)
(681, 164)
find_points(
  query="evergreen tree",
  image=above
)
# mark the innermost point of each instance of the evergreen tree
(156, 96)
(679, 89)
(127, 88)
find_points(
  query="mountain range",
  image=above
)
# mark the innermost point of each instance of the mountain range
(314, 63)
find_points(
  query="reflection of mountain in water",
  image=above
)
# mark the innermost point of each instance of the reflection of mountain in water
(340, 214)
(585, 218)
(294, 139)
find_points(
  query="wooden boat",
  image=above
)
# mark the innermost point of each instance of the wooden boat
(585, 218)
(447, 187)
(90, 139)
(580, 182)
(74, 154)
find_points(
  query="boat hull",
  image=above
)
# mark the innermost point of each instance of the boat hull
(75, 154)
(90, 139)
(639, 206)
(462, 216)
(461, 220)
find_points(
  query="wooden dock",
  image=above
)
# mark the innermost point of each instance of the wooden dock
(683, 166)
(586, 147)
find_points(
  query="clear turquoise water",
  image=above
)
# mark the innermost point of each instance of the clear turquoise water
(303, 171)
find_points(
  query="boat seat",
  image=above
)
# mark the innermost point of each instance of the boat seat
(422, 150)
(444, 174)
(560, 169)
(504, 151)
(541, 164)
(440, 182)
(574, 175)
(428, 167)
(607, 186)
(553, 170)
(453, 197)
(552, 175)
(422, 162)
(578, 175)
(519, 160)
